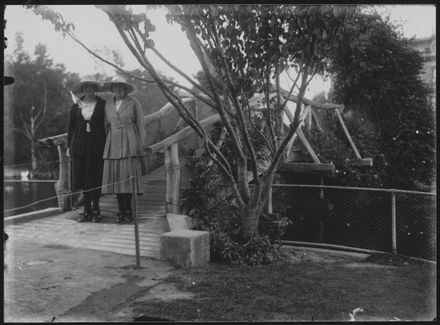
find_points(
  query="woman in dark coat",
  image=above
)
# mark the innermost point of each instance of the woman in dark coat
(85, 144)
(123, 151)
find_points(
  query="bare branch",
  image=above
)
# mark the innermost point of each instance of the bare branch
(172, 66)
(197, 47)
(291, 90)
(126, 73)
(269, 145)
(25, 134)
(26, 127)
(219, 143)
(170, 95)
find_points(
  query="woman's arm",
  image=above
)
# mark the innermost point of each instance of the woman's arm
(106, 121)
(140, 124)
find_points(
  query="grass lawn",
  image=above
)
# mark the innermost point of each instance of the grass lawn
(304, 286)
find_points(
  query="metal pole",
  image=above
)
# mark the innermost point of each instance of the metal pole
(69, 181)
(393, 222)
(321, 190)
(136, 228)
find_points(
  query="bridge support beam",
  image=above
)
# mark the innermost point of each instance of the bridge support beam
(173, 178)
(62, 187)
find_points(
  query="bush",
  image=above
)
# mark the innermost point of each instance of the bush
(211, 206)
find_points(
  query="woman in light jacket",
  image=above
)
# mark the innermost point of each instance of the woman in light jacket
(85, 144)
(123, 150)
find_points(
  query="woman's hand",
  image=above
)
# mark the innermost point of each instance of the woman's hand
(68, 152)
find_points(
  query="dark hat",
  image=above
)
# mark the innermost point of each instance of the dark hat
(7, 80)
(91, 80)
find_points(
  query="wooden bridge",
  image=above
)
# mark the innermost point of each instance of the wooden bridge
(162, 186)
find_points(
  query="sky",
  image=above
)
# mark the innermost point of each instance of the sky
(93, 28)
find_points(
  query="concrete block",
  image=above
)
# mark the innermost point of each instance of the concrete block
(185, 247)
(179, 221)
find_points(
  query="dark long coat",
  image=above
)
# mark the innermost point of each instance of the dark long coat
(86, 148)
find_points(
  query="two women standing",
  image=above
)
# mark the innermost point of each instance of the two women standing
(118, 156)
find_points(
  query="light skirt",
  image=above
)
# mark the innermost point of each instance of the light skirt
(117, 175)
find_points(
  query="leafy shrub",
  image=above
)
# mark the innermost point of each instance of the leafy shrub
(212, 208)
(258, 250)
(332, 146)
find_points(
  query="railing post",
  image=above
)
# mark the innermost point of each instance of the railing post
(136, 227)
(173, 178)
(322, 212)
(393, 223)
(62, 187)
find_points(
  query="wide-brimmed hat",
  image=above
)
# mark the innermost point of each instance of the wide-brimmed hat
(8, 80)
(85, 81)
(119, 80)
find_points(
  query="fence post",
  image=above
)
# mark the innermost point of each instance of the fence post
(136, 228)
(173, 178)
(62, 187)
(393, 223)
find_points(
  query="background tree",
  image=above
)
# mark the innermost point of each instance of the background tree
(378, 73)
(40, 100)
(149, 94)
(243, 48)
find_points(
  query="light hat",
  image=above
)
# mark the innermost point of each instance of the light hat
(84, 81)
(119, 80)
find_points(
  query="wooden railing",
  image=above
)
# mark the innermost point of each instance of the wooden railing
(172, 164)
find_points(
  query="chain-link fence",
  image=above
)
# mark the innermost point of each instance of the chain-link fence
(21, 196)
(26, 190)
(374, 219)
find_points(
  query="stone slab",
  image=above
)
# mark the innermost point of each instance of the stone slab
(185, 247)
(179, 222)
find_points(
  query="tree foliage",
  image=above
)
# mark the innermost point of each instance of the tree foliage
(40, 101)
(377, 72)
(332, 145)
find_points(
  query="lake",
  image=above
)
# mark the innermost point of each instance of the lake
(18, 194)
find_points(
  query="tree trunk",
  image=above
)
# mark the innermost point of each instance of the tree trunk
(33, 149)
(33, 157)
(249, 224)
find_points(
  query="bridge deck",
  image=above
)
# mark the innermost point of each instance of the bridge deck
(64, 230)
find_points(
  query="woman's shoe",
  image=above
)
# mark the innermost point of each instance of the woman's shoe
(119, 217)
(86, 217)
(129, 216)
(96, 216)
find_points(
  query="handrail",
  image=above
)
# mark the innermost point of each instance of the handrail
(160, 146)
(54, 140)
(294, 98)
(356, 188)
(30, 180)
(165, 110)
